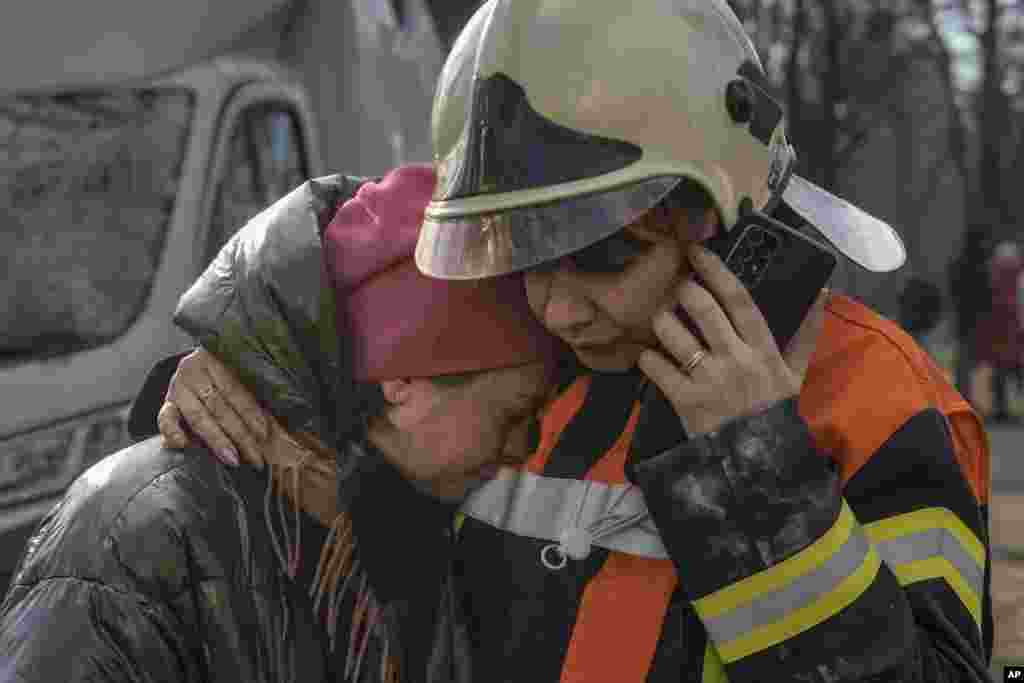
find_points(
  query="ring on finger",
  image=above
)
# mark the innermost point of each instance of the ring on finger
(696, 359)
(206, 393)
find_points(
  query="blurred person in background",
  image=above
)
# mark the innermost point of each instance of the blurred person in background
(771, 522)
(999, 331)
(1019, 373)
(970, 288)
(920, 308)
(162, 566)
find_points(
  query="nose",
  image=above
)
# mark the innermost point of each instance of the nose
(567, 311)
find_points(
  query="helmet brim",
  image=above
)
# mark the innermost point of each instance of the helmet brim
(867, 241)
(467, 247)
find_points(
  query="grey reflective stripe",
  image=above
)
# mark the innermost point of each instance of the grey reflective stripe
(933, 543)
(526, 504)
(800, 592)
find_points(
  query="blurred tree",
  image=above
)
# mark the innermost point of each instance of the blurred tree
(838, 66)
(851, 75)
(924, 96)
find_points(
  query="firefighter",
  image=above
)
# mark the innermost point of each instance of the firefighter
(817, 512)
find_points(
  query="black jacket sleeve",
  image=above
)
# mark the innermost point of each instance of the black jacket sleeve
(397, 528)
(75, 630)
(794, 580)
(395, 524)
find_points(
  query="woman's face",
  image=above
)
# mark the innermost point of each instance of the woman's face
(453, 437)
(601, 300)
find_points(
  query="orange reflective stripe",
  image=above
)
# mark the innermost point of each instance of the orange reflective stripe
(619, 621)
(556, 417)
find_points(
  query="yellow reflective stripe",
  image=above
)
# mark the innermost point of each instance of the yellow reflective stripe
(922, 520)
(904, 535)
(941, 568)
(460, 519)
(713, 670)
(800, 620)
(784, 573)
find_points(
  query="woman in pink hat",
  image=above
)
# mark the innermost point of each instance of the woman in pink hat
(380, 385)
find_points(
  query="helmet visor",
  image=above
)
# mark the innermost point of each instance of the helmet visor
(867, 241)
(512, 240)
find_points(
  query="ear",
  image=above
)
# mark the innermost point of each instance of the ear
(409, 400)
(397, 391)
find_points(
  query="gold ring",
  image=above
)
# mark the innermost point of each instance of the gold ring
(694, 361)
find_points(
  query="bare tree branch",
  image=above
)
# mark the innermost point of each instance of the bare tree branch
(993, 120)
(794, 76)
(878, 105)
(957, 129)
(832, 91)
(932, 182)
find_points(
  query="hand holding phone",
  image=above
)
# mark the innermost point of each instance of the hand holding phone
(782, 268)
(784, 271)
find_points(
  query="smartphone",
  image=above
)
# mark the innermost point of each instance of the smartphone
(783, 269)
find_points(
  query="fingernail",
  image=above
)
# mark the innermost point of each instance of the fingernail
(229, 456)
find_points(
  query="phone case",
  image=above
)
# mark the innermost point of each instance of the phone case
(781, 267)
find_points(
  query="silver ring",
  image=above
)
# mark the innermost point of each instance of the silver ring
(694, 361)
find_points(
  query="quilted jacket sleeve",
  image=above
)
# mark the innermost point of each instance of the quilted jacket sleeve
(71, 630)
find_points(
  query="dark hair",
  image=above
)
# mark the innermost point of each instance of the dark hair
(368, 403)
(688, 195)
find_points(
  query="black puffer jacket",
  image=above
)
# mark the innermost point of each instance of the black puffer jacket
(160, 565)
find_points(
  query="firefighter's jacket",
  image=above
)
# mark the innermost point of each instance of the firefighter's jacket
(839, 538)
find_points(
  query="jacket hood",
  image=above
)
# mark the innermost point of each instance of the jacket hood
(265, 307)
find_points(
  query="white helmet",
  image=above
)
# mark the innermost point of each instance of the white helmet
(556, 123)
